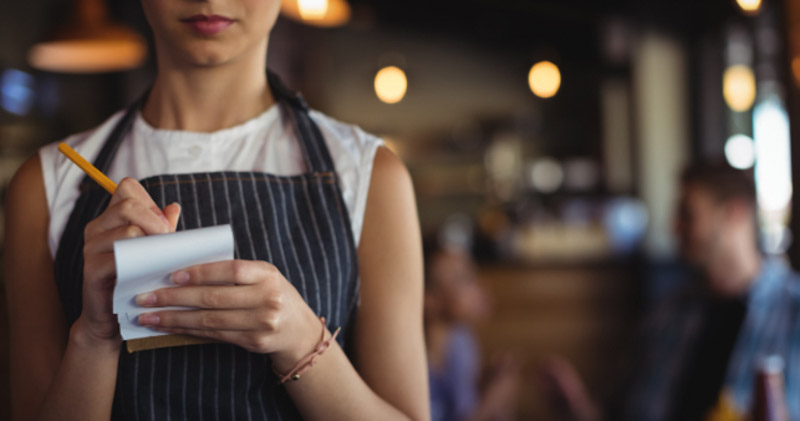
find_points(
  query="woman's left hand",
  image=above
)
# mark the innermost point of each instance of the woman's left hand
(247, 303)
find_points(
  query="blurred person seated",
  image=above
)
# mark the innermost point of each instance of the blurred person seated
(699, 349)
(453, 301)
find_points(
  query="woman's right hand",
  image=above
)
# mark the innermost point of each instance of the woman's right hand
(130, 213)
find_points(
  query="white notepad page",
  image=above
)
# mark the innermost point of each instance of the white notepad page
(145, 264)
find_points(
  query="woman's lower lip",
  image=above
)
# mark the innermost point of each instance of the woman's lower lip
(208, 27)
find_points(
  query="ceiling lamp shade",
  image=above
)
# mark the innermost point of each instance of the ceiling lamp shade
(749, 6)
(323, 13)
(89, 43)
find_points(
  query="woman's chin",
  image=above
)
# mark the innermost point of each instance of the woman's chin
(200, 55)
(209, 57)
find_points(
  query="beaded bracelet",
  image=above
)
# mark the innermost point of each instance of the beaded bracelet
(309, 360)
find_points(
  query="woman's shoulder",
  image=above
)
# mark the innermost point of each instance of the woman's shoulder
(349, 138)
(61, 178)
(353, 152)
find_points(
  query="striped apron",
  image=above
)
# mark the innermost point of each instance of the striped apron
(298, 223)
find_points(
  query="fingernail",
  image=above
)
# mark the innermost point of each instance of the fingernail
(180, 277)
(146, 299)
(148, 319)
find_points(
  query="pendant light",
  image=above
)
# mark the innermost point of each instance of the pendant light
(322, 13)
(89, 43)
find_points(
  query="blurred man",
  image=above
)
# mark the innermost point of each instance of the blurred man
(706, 340)
(453, 301)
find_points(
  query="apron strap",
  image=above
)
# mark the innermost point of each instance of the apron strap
(318, 158)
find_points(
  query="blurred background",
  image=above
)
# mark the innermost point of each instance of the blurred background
(544, 135)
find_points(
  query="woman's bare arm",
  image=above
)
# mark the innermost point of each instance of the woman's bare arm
(390, 346)
(38, 332)
(37, 328)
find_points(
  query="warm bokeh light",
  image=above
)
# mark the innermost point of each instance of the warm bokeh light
(544, 79)
(324, 13)
(749, 6)
(796, 70)
(391, 84)
(88, 41)
(739, 87)
(740, 151)
(88, 55)
(312, 9)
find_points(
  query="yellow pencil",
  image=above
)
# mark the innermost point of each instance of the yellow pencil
(88, 168)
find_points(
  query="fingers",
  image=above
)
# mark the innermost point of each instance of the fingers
(129, 188)
(129, 211)
(239, 272)
(237, 301)
(222, 320)
(172, 213)
(240, 327)
(211, 297)
(103, 242)
(130, 204)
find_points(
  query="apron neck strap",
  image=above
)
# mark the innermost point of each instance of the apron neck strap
(312, 142)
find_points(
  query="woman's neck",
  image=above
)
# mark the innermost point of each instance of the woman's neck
(207, 99)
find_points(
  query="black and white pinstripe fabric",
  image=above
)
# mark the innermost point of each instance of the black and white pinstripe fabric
(298, 223)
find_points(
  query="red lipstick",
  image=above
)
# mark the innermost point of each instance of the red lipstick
(207, 25)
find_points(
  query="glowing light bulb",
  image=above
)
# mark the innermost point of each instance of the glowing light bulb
(312, 9)
(321, 13)
(544, 79)
(739, 87)
(391, 84)
(749, 6)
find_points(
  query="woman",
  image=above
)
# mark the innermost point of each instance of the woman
(236, 147)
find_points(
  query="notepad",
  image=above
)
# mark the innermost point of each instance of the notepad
(145, 264)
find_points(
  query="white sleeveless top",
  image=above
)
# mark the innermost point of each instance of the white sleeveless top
(264, 144)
